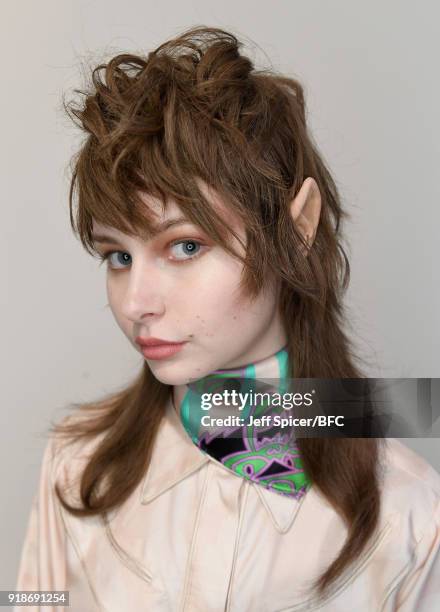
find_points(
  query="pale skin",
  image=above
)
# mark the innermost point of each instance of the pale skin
(181, 286)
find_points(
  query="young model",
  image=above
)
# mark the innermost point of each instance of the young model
(200, 186)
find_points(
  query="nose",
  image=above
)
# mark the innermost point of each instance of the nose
(143, 297)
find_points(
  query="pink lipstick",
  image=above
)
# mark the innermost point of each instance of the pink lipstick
(155, 348)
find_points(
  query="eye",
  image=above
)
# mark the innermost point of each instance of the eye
(183, 250)
(186, 249)
(122, 258)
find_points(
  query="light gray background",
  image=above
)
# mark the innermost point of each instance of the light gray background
(370, 71)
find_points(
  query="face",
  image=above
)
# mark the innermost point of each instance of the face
(180, 286)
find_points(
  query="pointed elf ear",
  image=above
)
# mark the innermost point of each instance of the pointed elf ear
(305, 209)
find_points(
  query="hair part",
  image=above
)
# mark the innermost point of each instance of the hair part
(163, 125)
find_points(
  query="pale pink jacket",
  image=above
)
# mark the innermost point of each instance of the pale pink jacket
(196, 537)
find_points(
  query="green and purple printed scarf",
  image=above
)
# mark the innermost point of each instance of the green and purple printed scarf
(268, 457)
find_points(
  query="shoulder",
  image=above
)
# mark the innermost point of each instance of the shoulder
(407, 467)
(66, 454)
(410, 487)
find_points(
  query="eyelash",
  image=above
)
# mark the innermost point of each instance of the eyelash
(106, 256)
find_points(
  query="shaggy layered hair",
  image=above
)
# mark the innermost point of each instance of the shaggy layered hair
(195, 109)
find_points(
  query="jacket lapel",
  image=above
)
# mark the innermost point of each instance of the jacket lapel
(175, 457)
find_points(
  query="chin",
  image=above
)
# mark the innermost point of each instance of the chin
(171, 374)
(176, 374)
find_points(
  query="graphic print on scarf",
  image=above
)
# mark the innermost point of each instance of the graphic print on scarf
(264, 455)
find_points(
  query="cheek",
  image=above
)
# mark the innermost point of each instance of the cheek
(115, 296)
(216, 308)
(212, 295)
(238, 315)
(112, 297)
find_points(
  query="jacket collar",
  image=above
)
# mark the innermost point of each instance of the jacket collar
(175, 456)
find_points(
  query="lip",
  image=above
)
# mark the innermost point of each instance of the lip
(155, 348)
(161, 351)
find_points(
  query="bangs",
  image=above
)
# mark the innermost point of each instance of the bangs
(119, 200)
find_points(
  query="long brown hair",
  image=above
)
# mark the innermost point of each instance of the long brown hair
(197, 109)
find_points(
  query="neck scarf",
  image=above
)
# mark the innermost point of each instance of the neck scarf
(267, 455)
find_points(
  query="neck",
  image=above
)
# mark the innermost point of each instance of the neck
(272, 366)
(238, 432)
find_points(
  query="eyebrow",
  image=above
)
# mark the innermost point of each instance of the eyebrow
(157, 229)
